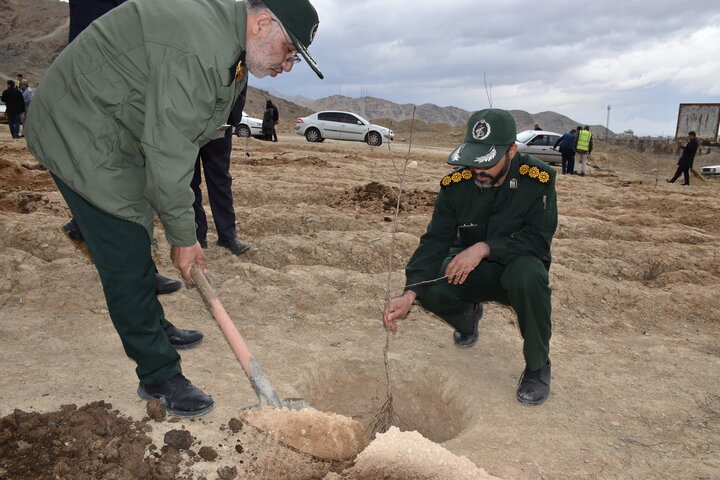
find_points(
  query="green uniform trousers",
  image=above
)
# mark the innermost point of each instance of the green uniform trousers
(121, 252)
(521, 284)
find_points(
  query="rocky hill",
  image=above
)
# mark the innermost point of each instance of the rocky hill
(374, 108)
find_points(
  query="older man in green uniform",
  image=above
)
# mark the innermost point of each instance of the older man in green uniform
(118, 120)
(489, 240)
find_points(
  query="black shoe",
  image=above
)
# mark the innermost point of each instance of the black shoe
(73, 231)
(164, 285)
(203, 243)
(534, 386)
(179, 396)
(234, 245)
(669, 181)
(182, 339)
(684, 184)
(467, 340)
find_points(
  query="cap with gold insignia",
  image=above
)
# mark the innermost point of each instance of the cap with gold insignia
(490, 133)
(301, 22)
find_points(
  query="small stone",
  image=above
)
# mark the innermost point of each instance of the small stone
(239, 448)
(180, 439)
(207, 453)
(235, 425)
(227, 473)
(156, 410)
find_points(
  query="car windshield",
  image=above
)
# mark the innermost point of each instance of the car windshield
(523, 137)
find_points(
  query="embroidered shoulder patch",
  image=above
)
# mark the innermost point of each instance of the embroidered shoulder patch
(456, 177)
(534, 172)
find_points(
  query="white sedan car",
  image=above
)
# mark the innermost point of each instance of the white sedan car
(711, 171)
(341, 126)
(249, 126)
(539, 144)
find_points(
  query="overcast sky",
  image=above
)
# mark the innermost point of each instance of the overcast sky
(642, 58)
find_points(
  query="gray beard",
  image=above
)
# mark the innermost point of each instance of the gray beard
(256, 57)
(484, 186)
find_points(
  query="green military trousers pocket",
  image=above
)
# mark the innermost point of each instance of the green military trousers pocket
(121, 252)
(521, 284)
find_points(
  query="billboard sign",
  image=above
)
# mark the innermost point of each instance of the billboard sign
(701, 118)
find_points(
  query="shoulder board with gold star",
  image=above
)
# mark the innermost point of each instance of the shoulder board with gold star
(459, 175)
(533, 171)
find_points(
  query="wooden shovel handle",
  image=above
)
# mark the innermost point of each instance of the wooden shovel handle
(260, 383)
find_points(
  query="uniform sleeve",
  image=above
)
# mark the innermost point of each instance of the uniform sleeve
(434, 246)
(180, 100)
(535, 236)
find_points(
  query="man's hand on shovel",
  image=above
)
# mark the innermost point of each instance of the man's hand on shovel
(185, 257)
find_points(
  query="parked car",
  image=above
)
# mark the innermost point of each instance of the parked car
(539, 144)
(3, 117)
(711, 170)
(341, 126)
(249, 126)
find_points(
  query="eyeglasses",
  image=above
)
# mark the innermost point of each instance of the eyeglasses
(290, 45)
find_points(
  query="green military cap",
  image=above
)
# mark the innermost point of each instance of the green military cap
(301, 22)
(490, 133)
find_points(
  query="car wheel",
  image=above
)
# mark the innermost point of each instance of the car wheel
(242, 131)
(313, 135)
(374, 139)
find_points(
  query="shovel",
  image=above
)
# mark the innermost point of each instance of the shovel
(259, 381)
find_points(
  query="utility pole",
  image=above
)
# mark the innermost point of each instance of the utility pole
(607, 125)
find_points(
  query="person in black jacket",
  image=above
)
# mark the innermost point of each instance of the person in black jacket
(687, 157)
(15, 107)
(215, 159)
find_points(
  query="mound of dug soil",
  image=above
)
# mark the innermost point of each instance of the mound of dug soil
(90, 442)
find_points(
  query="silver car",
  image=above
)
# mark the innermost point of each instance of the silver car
(341, 126)
(539, 144)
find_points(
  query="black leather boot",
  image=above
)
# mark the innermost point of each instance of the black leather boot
(182, 339)
(534, 386)
(234, 245)
(467, 340)
(179, 396)
(164, 285)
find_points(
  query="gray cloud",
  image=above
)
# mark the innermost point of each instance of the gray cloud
(571, 57)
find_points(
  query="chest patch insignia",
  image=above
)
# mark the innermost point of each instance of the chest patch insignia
(481, 130)
(534, 172)
(240, 71)
(513, 183)
(456, 177)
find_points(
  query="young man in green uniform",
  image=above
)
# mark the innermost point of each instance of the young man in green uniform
(118, 120)
(489, 240)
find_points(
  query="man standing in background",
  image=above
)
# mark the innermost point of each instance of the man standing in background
(15, 107)
(686, 160)
(583, 147)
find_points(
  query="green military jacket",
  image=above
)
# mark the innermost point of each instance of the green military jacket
(122, 112)
(517, 218)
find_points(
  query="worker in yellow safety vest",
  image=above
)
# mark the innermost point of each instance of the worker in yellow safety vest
(583, 148)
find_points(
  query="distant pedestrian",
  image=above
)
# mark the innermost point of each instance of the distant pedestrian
(583, 148)
(687, 157)
(27, 94)
(15, 107)
(276, 120)
(537, 127)
(268, 124)
(567, 151)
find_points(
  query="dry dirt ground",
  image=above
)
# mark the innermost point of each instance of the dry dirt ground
(635, 349)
